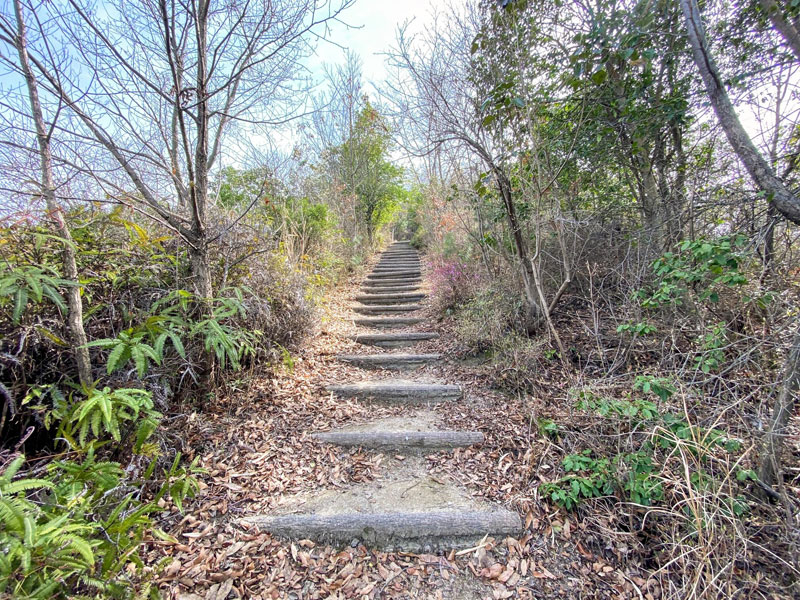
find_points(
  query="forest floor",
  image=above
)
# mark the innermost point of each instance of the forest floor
(255, 444)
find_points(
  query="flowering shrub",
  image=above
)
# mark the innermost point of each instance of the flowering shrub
(453, 282)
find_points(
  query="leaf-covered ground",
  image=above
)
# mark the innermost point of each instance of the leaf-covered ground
(255, 444)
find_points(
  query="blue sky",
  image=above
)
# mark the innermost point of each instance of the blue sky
(374, 23)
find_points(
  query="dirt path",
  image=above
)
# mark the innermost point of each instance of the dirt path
(262, 460)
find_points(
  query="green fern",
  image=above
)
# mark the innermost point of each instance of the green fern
(77, 529)
(128, 345)
(103, 412)
(20, 285)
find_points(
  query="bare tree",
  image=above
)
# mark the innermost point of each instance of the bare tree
(54, 210)
(779, 195)
(464, 86)
(757, 166)
(158, 85)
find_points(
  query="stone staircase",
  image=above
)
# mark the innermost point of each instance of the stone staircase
(406, 508)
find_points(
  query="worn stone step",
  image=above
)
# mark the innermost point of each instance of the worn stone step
(395, 340)
(397, 265)
(401, 276)
(391, 282)
(389, 289)
(395, 275)
(397, 260)
(412, 531)
(401, 440)
(383, 270)
(400, 298)
(398, 257)
(397, 362)
(384, 309)
(387, 322)
(397, 391)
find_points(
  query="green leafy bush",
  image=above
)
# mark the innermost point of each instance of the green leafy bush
(78, 529)
(631, 409)
(702, 266)
(632, 475)
(22, 284)
(105, 412)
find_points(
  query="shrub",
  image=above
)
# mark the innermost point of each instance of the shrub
(77, 529)
(453, 283)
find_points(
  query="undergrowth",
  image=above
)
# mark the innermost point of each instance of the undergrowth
(657, 435)
(85, 468)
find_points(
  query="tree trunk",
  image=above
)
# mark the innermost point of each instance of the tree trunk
(533, 311)
(56, 213)
(787, 29)
(761, 172)
(780, 198)
(201, 272)
(781, 413)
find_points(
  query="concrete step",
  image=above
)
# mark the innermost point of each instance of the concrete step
(397, 265)
(382, 270)
(398, 261)
(401, 440)
(395, 274)
(387, 309)
(392, 282)
(399, 362)
(397, 289)
(387, 322)
(390, 298)
(398, 274)
(434, 530)
(397, 391)
(395, 340)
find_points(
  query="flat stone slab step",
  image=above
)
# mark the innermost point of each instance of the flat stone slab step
(435, 529)
(399, 265)
(390, 298)
(395, 275)
(388, 322)
(382, 270)
(394, 289)
(387, 309)
(397, 391)
(390, 282)
(389, 361)
(394, 340)
(401, 440)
